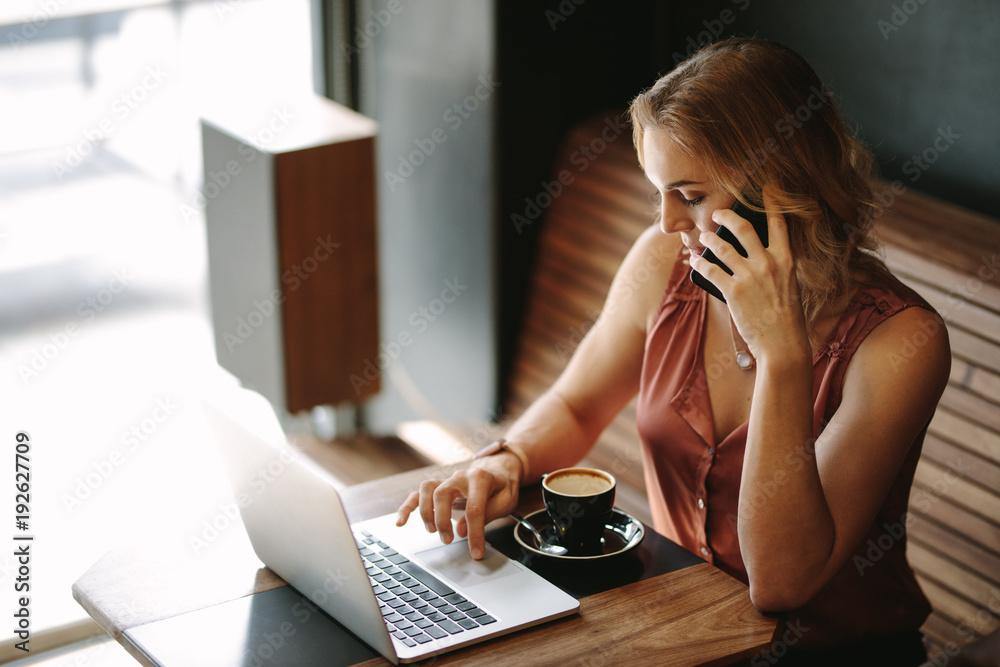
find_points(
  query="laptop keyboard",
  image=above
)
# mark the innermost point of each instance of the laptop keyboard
(416, 605)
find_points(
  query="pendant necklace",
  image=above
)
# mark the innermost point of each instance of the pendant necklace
(744, 359)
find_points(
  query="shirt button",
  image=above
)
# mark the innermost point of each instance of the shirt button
(701, 503)
(704, 551)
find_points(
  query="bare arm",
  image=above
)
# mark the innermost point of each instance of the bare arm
(805, 532)
(822, 496)
(563, 424)
(560, 428)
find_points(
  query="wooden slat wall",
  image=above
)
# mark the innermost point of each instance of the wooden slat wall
(948, 254)
(588, 230)
(952, 258)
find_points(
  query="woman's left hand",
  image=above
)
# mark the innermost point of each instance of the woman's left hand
(763, 292)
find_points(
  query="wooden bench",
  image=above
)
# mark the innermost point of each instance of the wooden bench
(952, 257)
(587, 230)
(948, 254)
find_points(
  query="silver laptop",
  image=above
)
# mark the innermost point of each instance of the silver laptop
(400, 590)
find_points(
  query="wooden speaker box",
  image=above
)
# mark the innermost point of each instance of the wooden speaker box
(289, 198)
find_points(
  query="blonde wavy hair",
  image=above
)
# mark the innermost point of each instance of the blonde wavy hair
(758, 115)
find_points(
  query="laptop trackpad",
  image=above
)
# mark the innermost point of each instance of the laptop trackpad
(453, 561)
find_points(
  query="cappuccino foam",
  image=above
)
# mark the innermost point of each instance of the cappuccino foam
(578, 484)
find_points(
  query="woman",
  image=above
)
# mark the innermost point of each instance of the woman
(780, 427)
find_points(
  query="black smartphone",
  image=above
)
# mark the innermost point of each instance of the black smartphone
(759, 222)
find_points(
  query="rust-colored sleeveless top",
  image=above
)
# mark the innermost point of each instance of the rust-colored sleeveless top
(693, 477)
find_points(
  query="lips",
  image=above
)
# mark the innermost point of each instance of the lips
(690, 242)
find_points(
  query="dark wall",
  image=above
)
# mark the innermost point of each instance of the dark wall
(915, 76)
(559, 63)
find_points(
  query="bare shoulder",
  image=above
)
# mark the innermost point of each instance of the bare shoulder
(909, 352)
(644, 275)
(913, 335)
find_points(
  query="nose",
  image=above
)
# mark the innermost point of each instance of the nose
(674, 217)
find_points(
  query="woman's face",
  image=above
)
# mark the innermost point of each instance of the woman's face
(687, 197)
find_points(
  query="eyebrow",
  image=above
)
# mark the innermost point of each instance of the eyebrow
(680, 184)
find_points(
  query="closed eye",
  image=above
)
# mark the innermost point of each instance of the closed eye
(657, 200)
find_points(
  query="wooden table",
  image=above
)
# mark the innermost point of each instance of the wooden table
(692, 616)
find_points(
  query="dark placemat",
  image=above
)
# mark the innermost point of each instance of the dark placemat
(279, 628)
(655, 555)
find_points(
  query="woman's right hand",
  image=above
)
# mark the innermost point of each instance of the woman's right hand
(490, 488)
